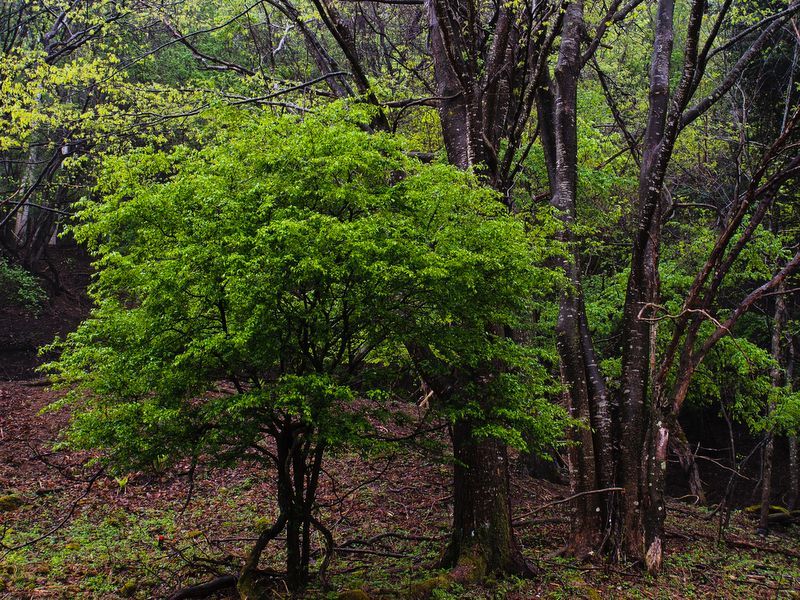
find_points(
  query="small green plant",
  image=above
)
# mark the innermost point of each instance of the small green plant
(80, 554)
(122, 482)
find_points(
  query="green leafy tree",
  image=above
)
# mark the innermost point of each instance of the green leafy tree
(253, 295)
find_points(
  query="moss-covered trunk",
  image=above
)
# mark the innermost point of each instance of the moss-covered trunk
(482, 539)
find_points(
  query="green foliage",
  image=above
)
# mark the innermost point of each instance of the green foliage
(295, 260)
(785, 418)
(20, 287)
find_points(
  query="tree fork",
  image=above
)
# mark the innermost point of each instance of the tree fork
(248, 583)
(591, 458)
(679, 446)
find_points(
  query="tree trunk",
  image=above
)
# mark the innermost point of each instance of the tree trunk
(297, 480)
(591, 456)
(483, 536)
(766, 483)
(679, 446)
(794, 446)
(298, 525)
(482, 539)
(22, 224)
(296, 578)
(551, 468)
(776, 375)
(288, 473)
(794, 473)
(644, 435)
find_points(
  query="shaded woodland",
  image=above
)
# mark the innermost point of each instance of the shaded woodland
(399, 298)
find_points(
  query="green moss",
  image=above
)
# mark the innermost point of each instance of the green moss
(772, 509)
(254, 586)
(471, 568)
(422, 590)
(128, 589)
(11, 502)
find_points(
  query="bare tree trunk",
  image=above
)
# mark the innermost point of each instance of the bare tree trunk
(766, 483)
(591, 457)
(794, 445)
(776, 375)
(640, 431)
(22, 223)
(644, 431)
(644, 435)
(794, 472)
(482, 540)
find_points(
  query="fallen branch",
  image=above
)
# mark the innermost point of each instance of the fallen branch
(341, 550)
(551, 521)
(373, 540)
(753, 546)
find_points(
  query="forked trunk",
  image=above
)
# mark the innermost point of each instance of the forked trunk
(298, 465)
(591, 456)
(643, 415)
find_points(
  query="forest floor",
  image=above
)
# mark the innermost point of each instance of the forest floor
(136, 537)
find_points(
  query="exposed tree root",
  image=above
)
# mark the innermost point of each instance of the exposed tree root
(204, 590)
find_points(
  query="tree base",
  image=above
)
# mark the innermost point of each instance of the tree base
(259, 585)
(471, 565)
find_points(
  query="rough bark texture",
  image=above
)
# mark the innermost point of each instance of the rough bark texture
(473, 103)
(794, 446)
(452, 106)
(630, 435)
(482, 539)
(794, 473)
(644, 433)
